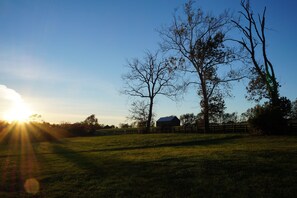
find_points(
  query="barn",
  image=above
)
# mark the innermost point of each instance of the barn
(169, 121)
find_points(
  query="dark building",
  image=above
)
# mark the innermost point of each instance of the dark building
(169, 121)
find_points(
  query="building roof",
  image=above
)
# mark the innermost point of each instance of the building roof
(167, 119)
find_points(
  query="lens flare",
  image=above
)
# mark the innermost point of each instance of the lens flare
(31, 186)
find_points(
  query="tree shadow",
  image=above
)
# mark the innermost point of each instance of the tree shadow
(205, 142)
(83, 162)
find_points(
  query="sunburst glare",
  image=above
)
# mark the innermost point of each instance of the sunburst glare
(19, 112)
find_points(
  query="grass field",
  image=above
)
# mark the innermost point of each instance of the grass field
(153, 165)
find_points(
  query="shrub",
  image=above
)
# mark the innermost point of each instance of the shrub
(267, 119)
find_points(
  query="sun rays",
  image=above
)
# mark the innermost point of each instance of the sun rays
(21, 163)
(21, 168)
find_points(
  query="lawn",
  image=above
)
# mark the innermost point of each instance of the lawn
(152, 165)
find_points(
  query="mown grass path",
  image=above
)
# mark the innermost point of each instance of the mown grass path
(153, 165)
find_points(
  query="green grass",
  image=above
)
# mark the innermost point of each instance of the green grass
(153, 165)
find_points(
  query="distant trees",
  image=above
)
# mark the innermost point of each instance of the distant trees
(188, 119)
(230, 117)
(200, 39)
(91, 124)
(148, 78)
(139, 113)
(35, 118)
(86, 127)
(125, 125)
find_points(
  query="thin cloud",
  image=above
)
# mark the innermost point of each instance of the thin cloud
(9, 94)
(12, 105)
(25, 67)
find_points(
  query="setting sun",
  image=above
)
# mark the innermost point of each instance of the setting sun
(20, 112)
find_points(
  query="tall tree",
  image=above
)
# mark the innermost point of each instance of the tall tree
(200, 39)
(148, 78)
(263, 82)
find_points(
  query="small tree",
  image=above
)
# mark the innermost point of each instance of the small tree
(188, 119)
(149, 78)
(293, 114)
(91, 124)
(36, 118)
(125, 125)
(268, 119)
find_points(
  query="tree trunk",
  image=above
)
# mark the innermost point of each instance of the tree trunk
(205, 108)
(149, 120)
(206, 117)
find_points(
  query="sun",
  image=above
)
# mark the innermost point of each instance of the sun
(20, 112)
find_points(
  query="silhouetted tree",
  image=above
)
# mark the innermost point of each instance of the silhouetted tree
(285, 107)
(149, 78)
(125, 125)
(230, 117)
(35, 118)
(109, 127)
(200, 39)
(91, 123)
(244, 117)
(263, 83)
(188, 119)
(293, 114)
(139, 112)
(268, 119)
(216, 107)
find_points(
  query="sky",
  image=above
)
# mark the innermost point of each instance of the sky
(64, 59)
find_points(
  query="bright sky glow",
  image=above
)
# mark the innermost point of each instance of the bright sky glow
(65, 58)
(14, 108)
(20, 112)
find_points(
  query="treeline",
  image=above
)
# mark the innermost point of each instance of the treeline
(37, 130)
(261, 119)
(87, 127)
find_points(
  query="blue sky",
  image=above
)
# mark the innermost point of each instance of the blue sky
(65, 58)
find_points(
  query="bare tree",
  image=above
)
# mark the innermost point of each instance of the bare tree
(263, 82)
(148, 78)
(200, 39)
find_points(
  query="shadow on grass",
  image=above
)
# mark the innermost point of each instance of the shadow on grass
(75, 157)
(204, 142)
